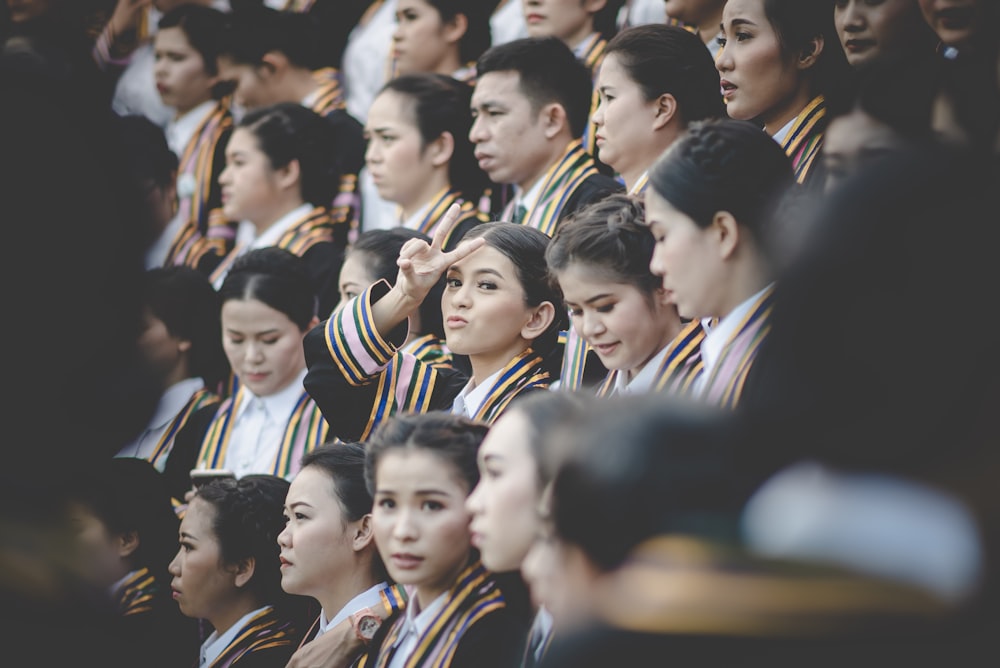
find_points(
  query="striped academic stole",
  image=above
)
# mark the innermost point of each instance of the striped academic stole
(306, 429)
(474, 595)
(805, 139)
(137, 593)
(639, 187)
(264, 631)
(574, 359)
(299, 5)
(201, 398)
(346, 205)
(429, 349)
(330, 91)
(439, 205)
(725, 383)
(523, 373)
(393, 599)
(560, 182)
(674, 368)
(591, 53)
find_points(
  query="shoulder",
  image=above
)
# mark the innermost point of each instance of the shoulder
(591, 189)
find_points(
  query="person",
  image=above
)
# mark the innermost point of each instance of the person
(653, 82)
(227, 572)
(600, 258)
(420, 469)
(530, 107)
(779, 61)
(442, 36)
(870, 31)
(508, 503)
(368, 57)
(281, 176)
(419, 154)
(498, 309)
(702, 17)
(278, 56)
(268, 422)
(712, 207)
(181, 341)
(126, 534)
(371, 259)
(327, 546)
(185, 53)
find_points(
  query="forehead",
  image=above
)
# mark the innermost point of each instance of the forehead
(252, 315)
(581, 281)
(612, 69)
(486, 258)
(310, 482)
(355, 268)
(172, 38)
(242, 139)
(198, 518)
(749, 10)
(503, 88)
(409, 469)
(419, 5)
(508, 438)
(660, 211)
(390, 107)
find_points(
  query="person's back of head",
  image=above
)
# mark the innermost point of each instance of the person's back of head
(805, 26)
(252, 33)
(549, 72)
(275, 277)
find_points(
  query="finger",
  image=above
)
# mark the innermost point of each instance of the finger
(464, 249)
(412, 247)
(445, 225)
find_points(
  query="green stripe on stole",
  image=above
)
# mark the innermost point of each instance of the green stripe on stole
(561, 180)
(726, 391)
(806, 137)
(525, 370)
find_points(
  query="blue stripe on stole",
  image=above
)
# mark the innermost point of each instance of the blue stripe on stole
(337, 346)
(370, 336)
(422, 391)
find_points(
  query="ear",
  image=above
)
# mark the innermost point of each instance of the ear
(184, 345)
(727, 233)
(244, 571)
(810, 53)
(128, 543)
(363, 533)
(456, 28)
(666, 110)
(553, 119)
(660, 297)
(289, 175)
(441, 149)
(541, 317)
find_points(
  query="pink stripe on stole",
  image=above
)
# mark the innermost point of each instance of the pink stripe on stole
(406, 371)
(355, 343)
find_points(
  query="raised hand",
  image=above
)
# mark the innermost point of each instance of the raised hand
(421, 264)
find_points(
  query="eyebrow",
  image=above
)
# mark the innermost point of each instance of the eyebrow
(297, 504)
(738, 22)
(477, 272)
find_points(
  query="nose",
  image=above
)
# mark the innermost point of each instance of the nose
(224, 176)
(853, 19)
(254, 352)
(656, 265)
(372, 153)
(404, 527)
(284, 538)
(477, 133)
(723, 62)
(473, 504)
(598, 117)
(460, 297)
(174, 567)
(591, 324)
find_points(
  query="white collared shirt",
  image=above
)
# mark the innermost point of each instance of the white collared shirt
(247, 238)
(643, 380)
(181, 129)
(413, 222)
(216, 643)
(256, 438)
(370, 598)
(717, 338)
(172, 401)
(415, 625)
(471, 398)
(780, 135)
(530, 198)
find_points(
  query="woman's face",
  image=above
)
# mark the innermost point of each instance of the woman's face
(354, 277)
(251, 187)
(759, 81)
(400, 164)
(179, 70)
(420, 521)
(100, 553)
(263, 345)
(422, 41)
(853, 140)
(956, 22)
(869, 29)
(504, 504)
(318, 553)
(203, 586)
(626, 121)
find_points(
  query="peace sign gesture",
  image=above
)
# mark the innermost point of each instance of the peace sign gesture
(421, 264)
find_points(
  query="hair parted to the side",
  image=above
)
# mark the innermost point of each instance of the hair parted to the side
(276, 277)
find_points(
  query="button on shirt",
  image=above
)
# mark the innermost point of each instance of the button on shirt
(259, 429)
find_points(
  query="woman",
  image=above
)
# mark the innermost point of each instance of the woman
(421, 469)
(499, 311)
(419, 154)
(269, 422)
(443, 36)
(711, 207)
(702, 17)
(227, 572)
(778, 62)
(654, 81)
(870, 31)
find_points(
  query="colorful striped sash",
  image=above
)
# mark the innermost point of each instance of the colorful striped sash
(330, 95)
(305, 430)
(522, 373)
(639, 188)
(592, 55)
(429, 349)
(725, 382)
(474, 595)
(805, 139)
(439, 205)
(263, 631)
(560, 182)
(574, 361)
(137, 593)
(675, 365)
(199, 399)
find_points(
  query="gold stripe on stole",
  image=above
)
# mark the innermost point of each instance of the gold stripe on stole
(525, 366)
(200, 398)
(760, 310)
(802, 133)
(574, 166)
(684, 345)
(439, 204)
(216, 441)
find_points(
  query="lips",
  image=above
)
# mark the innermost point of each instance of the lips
(727, 88)
(284, 562)
(604, 349)
(534, 18)
(859, 44)
(406, 561)
(455, 321)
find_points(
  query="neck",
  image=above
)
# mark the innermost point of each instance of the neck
(177, 373)
(300, 85)
(279, 210)
(485, 365)
(557, 148)
(670, 326)
(435, 184)
(747, 279)
(781, 115)
(243, 604)
(576, 39)
(344, 587)
(181, 113)
(659, 142)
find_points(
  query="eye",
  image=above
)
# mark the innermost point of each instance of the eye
(453, 283)
(486, 285)
(432, 505)
(387, 504)
(575, 312)
(606, 308)
(743, 36)
(720, 40)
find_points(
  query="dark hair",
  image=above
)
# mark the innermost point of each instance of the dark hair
(253, 32)
(202, 25)
(724, 165)
(150, 158)
(525, 248)
(128, 494)
(549, 72)
(184, 299)
(606, 18)
(381, 250)
(289, 131)
(344, 463)
(610, 236)
(453, 438)
(662, 59)
(674, 469)
(276, 277)
(440, 104)
(249, 515)
(796, 23)
(477, 37)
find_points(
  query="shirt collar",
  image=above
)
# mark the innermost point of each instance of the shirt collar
(180, 130)
(280, 404)
(367, 599)
(215, 644)
(271, 235)
(718, 336)
(644, 379)
(173, 400)
(471, 398)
